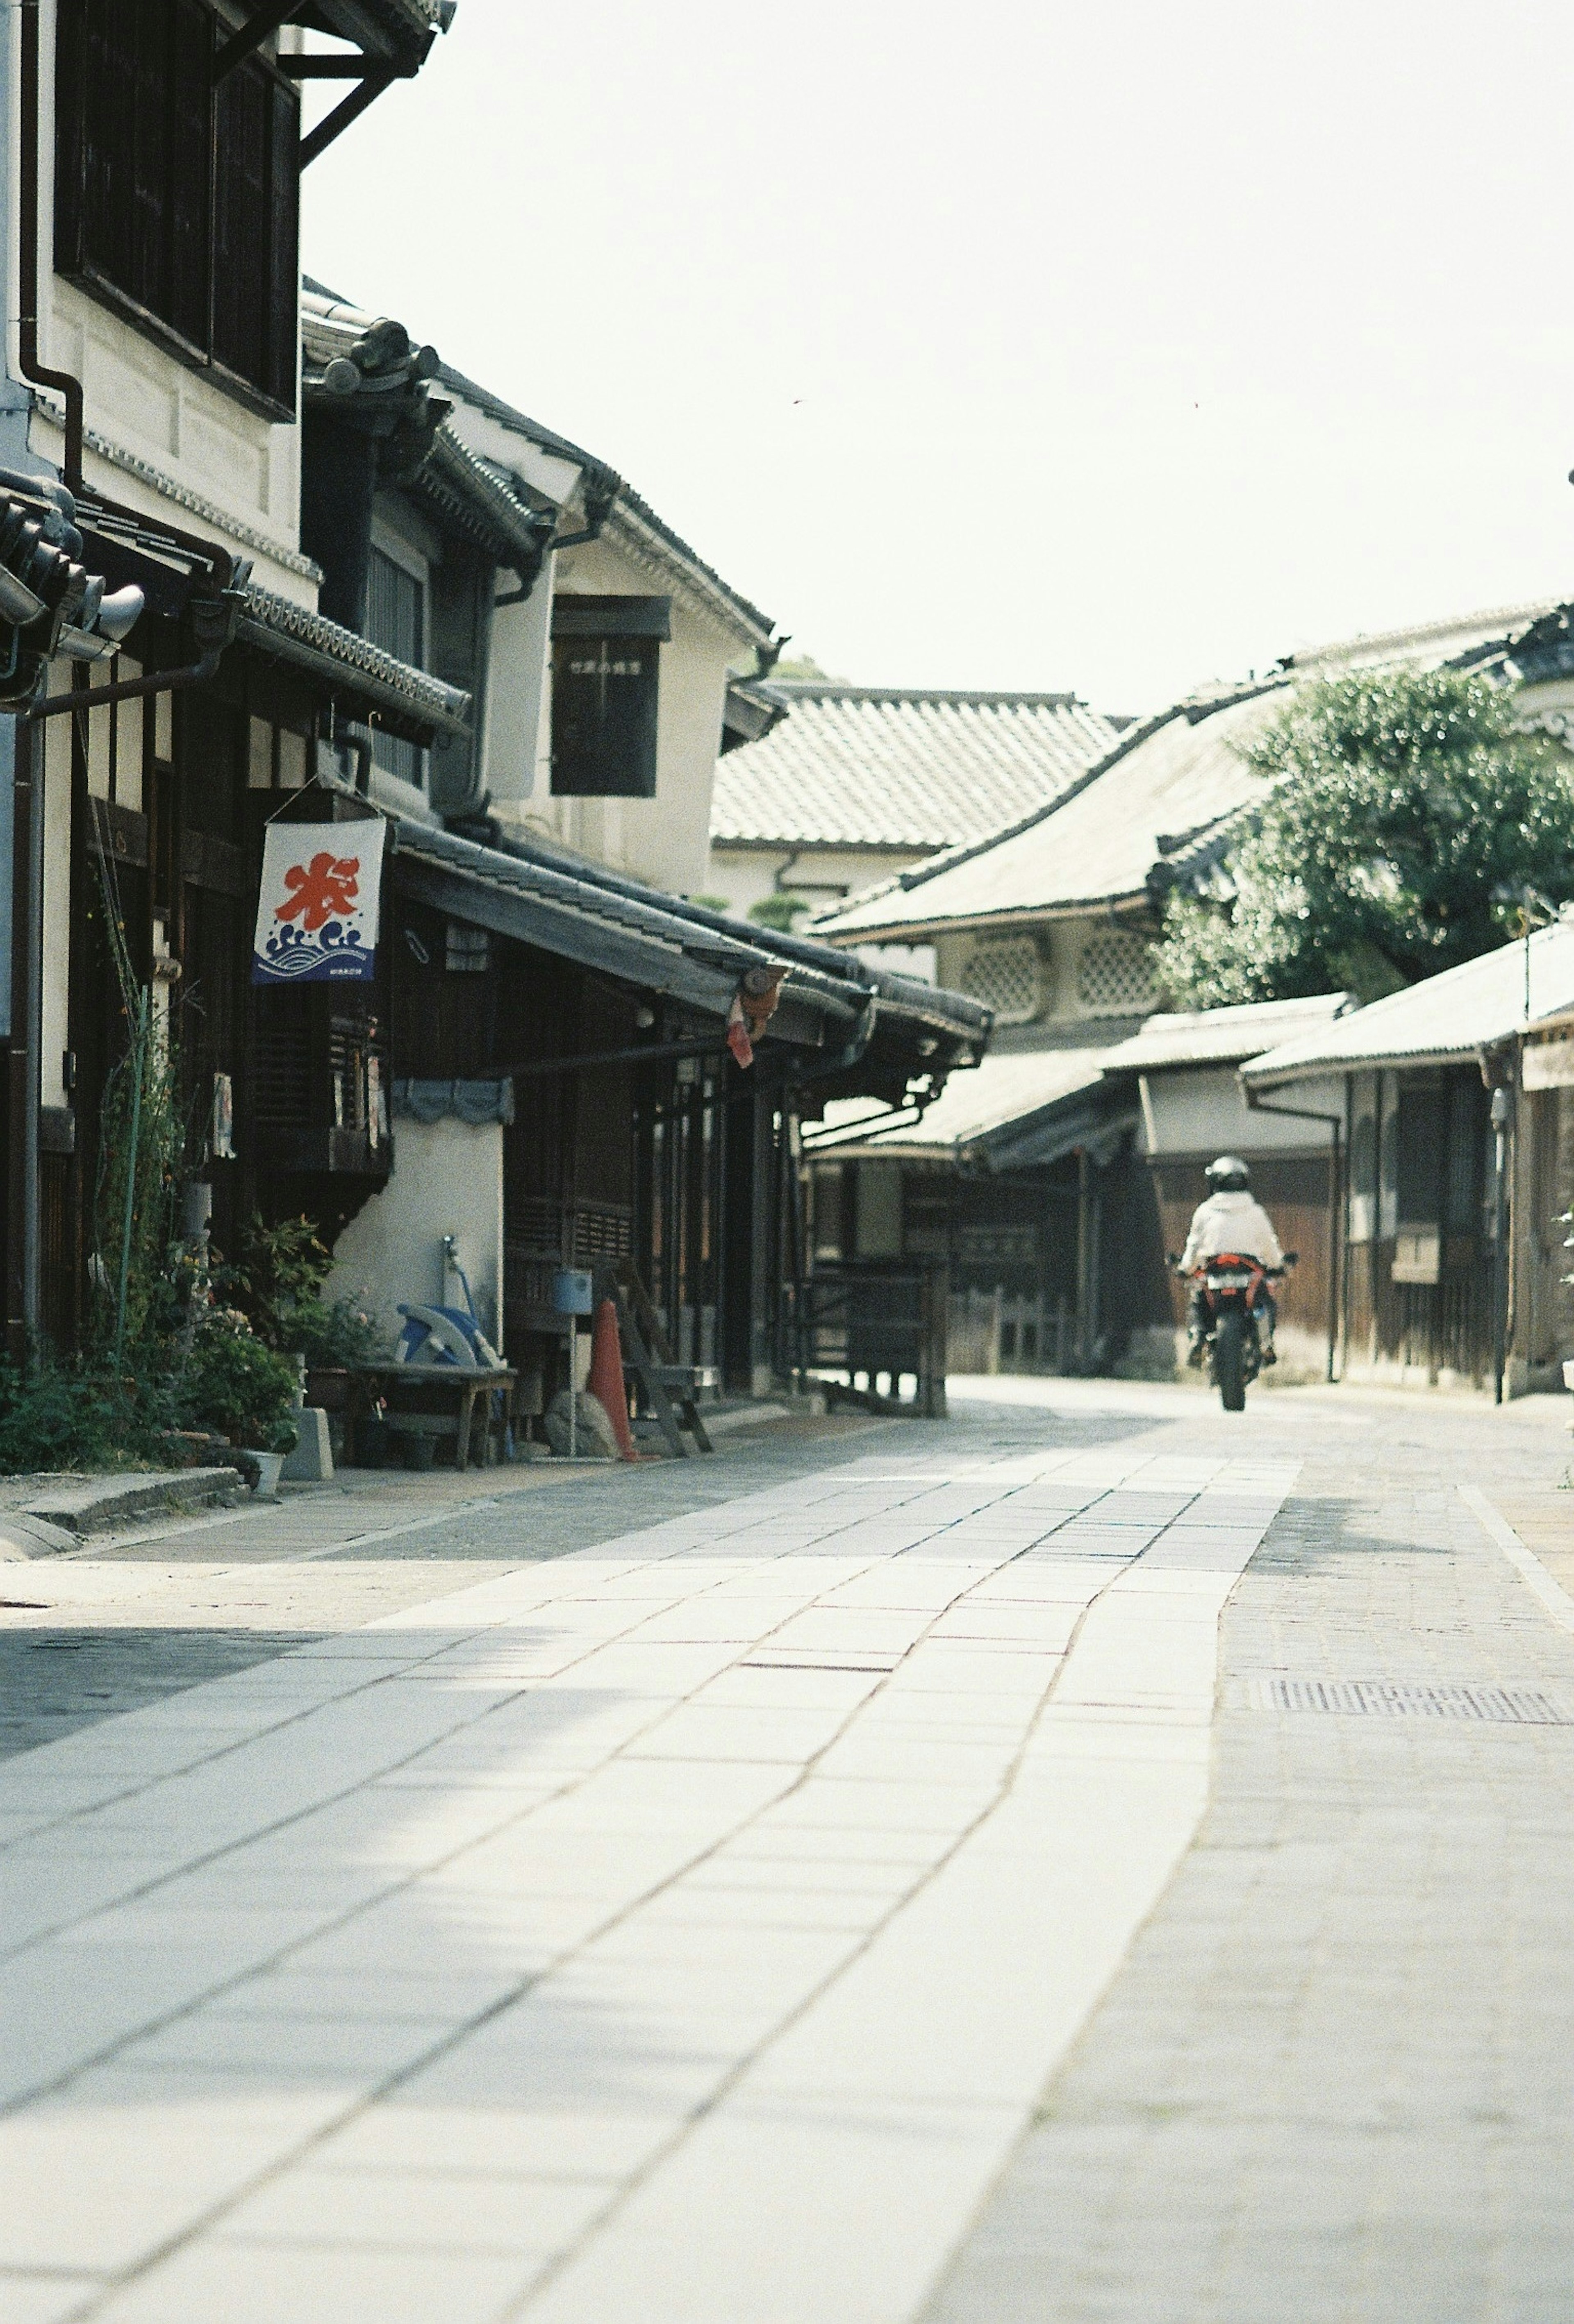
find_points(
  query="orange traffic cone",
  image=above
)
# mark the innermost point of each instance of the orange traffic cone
(605, 1381)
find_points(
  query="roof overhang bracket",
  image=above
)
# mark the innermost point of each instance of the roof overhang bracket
(371, 73)
(350, 108)
(252, 34)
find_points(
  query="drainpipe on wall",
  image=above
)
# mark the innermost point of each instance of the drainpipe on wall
(599, 490)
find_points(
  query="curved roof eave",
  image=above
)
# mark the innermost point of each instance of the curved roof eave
(755, 626)
(1011, 917)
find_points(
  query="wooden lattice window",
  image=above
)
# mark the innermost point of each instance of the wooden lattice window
(1115, 976)
(177, 199)
(1007, 977)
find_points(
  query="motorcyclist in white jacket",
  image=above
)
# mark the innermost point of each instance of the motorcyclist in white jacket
(1230, 1219)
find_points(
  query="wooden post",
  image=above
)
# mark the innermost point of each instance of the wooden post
(1084, 1259)
(21, 1061)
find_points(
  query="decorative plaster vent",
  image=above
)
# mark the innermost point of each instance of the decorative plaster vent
(1116, 976)
(1007, 978)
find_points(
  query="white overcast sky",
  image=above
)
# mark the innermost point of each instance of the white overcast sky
(1112, 346)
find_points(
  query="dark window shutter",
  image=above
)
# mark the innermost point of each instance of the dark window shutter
(242, 304)
(284, 241)
(134, 211)
(71, 178)
(190, 173)
(107, 48)
(396, 621)
(1422, 1131)
(182, 197)
(604, 716)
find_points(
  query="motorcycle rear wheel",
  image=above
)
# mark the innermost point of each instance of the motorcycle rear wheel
(1229, 1361)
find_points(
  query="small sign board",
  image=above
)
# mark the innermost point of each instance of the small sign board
(318, 912)
(573, 1291)
(1548, 1064)
(1417, 1255)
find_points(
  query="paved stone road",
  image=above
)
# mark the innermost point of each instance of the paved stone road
(773, 1890)
(1336, 2078)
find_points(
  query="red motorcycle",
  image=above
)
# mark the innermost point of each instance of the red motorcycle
(1233, 1286)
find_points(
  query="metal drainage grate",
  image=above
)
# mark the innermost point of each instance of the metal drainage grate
(1522, 1706)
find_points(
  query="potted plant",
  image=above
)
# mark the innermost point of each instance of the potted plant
(334, 1339)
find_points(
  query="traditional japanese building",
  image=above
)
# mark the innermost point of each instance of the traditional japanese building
(149, 424)
(1052, 1182)
(382, 609)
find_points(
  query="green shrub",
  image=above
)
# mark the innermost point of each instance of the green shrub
(277, 1284)
(232, 1382)
(331, 1337)
(76, 1414)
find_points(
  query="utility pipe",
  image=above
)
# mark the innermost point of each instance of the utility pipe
(651, 1052)
(63, 383)
(130, 689)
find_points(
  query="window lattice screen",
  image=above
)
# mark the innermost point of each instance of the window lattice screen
(1006, 978)
(1115, 976)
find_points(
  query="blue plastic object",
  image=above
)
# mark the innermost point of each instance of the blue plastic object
(417, 1345)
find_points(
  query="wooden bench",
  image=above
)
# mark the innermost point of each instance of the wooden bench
(472, 1392)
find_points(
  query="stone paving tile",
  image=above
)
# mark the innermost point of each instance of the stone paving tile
(133, 1623)
(535, 1941)
(255, 2282)
(1335, 2076)
(552, 1947)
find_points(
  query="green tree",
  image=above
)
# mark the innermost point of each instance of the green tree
(778, 912)
(1407, 825)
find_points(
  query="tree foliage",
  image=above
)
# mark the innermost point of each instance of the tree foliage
(1407, 823)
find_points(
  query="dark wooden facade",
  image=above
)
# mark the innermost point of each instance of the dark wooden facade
(178, 869)
(1295, 1190)
(1419, 1204)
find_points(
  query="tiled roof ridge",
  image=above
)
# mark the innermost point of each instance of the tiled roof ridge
(1434, 993)
(354, 654)
(507, 515)
(984, 697)
(696, 929)
(1509, 619)
(967, 849)
(919, 771)
(1193, 709)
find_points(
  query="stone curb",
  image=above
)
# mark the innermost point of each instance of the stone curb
(103, 1504)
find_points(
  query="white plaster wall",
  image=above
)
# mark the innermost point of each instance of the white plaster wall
(1200, 1109)
(822, 876)
(1060, 944)
(666, 840)
(446, 1179)
(512, 746)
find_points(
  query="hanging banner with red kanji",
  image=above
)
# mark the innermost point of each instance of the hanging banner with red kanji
(318, 912)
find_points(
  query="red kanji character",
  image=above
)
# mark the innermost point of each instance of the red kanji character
(325, 889)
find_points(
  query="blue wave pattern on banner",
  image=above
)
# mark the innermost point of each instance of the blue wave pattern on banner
(291, 957)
